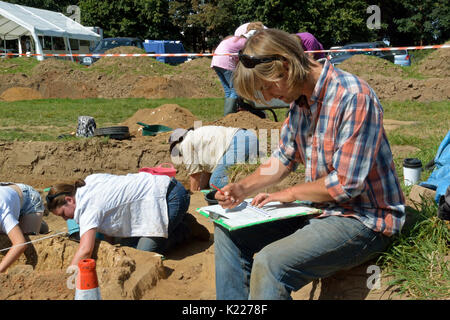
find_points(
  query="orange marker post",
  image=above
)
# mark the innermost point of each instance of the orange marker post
(87, 282)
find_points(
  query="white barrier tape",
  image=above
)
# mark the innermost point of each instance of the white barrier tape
(441, 46)
(33, 241)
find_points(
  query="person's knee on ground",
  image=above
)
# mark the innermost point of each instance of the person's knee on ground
(32, 223)
(152, 244)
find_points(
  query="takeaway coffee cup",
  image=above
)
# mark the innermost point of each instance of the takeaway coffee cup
(412, 167)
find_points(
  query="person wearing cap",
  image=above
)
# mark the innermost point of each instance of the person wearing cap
(244, 28)
(224, 65)
(142, 210)
(335, 130)
(310, 43)
(21, 211)
(207, 153)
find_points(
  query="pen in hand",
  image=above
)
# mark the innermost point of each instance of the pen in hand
(218, 189)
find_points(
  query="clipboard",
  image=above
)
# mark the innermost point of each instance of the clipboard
(245, 215)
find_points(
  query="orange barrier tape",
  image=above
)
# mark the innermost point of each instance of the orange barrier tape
(440, 46)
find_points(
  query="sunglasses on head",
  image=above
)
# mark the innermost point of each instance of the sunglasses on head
(252, 61)
(50, 197)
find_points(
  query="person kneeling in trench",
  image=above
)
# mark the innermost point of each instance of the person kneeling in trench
(21, 211)
(209, 151)
(144, 211)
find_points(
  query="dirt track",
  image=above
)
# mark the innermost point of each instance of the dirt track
(188, 272)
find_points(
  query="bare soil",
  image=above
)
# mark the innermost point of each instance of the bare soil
(125, 273)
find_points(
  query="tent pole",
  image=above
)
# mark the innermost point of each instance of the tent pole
(38, 47)
(68, 47)
(20, 46)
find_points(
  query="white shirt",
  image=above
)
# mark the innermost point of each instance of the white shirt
(132, 205)
(202, 148)
(9, 209)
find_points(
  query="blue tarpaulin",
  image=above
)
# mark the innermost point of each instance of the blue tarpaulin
(439, 179)
(165, 46)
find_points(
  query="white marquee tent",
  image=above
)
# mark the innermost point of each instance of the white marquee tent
(17, 21)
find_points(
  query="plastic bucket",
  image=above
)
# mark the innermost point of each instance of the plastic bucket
(160, 170)
(209, 197)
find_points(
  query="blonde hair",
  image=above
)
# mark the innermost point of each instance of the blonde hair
(248, 82)
(62, 190)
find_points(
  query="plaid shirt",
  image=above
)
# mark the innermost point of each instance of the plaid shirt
(341, 136)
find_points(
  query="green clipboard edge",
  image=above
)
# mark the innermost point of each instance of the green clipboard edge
(221, 222)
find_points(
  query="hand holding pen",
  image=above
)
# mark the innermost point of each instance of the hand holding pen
(230, 195)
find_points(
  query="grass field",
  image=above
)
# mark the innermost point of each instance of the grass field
(418, 261)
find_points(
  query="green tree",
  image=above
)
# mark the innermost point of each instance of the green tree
(424, 21)
(203, 23)
(147, 19)
(333, 22)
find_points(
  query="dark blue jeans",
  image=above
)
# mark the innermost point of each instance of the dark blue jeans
(178, 200)
(271, 260)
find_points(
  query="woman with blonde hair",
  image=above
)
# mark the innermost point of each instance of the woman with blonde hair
(335, 130)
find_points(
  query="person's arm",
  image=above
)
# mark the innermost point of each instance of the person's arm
(315, 191)
(87, 242)
(266, 175)
(199, 181)
(17, 238)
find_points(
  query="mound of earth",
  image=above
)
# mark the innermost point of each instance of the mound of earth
(246, 120)
(170, 115)
(145, 77)
(408, 89)
(361, 65)
(148, 66)
(18, 93)
(436, 64)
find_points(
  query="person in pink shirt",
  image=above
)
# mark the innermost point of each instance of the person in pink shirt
(224, 65)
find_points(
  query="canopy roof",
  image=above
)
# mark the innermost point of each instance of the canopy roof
(17, 20)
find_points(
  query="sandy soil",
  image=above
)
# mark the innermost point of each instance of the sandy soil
(125, 273)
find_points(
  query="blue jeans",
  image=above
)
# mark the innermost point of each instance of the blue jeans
(226, 79)
(243, 148)
(32, 201)
(271, 260)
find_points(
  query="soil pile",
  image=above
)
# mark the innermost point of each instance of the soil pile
(145, 77)
(117, 66)
(170, 115)
(117, 77)
(389, 81)
(17, 93)
(361, 65)
(247, 120)
(436, 64)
